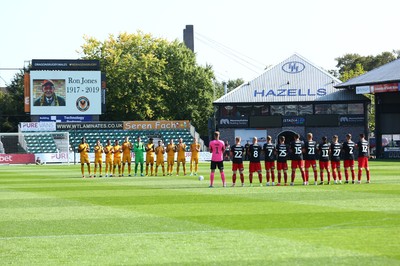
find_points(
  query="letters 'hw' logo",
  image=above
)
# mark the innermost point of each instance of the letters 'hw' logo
(293, 67)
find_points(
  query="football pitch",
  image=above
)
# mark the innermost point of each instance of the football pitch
(51, 216)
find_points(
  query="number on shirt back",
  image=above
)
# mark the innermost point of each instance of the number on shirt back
(364, 148)
(351, 150)
(297, 150)
(270, 153)
(238, 154)
(325, 153)
(311, 150)
(255, 154)
(282, 153)
(336, 152)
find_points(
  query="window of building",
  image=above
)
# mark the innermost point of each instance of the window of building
(340, 109)
(277, 109)
(260, 110)
(323, 109)
(306, 109)
(356, 109)
(243, 110)
(228, 111)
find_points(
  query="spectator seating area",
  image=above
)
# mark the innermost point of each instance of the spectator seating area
(92, 135)
(44, 143)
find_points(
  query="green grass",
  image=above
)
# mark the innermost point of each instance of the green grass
(51, 216)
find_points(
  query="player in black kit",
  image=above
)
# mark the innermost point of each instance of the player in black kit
(297, 147)
(310, 157)
(363, 154)
(237, 151)
(270, 152)
(324, 150)
(255, 165)
(336, 149)
(348, 148)
(281, 165)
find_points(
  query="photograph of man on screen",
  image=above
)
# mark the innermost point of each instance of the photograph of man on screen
(48, 95)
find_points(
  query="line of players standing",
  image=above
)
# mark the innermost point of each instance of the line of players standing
(303, 155)
(154, 155)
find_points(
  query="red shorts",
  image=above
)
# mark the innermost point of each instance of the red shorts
(348, 163)
(335, 164)
(362, 162)
(269, 165)
(237, 166)
(255, 167)
(297, 164)
(323, 165)
(310, 163)
(281, 166)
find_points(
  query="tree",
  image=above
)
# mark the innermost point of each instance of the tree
(152, 79)
(231, 85)
(12, 105)
(352, 73)
(349, 61)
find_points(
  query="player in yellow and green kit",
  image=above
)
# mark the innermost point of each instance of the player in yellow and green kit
(160, 150)
(194, 159)
(150, 150)
(139, 149)
(171, 149)
(117, 150)
(108, 150)
(84, 149)
(181, 149)
(126, 155)
(98, 157)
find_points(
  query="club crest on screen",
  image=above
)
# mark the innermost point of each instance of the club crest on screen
(82, 103)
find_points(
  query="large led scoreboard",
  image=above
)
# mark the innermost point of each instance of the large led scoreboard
(65, 87)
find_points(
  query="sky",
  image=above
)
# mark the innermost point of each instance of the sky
(239, 39)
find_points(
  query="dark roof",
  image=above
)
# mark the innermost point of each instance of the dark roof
(387, 73)
(342, 95)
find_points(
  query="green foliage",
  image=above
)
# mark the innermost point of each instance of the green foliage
(349, 61)
(12, 105)
(151, 79)
(352, 73)
(231, 85)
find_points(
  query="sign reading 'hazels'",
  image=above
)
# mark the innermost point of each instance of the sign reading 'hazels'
(65, 92)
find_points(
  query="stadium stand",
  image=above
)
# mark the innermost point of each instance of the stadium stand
(91, 136)
(42, 143)
(48, 143)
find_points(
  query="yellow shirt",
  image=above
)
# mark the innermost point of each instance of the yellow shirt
(98, 152)
(171, 150)
(194, 148)
(108, 150)
(160, 153)
(126, 148)
(150, 150)
(117, 152)
(181, 150)
(83, 149)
